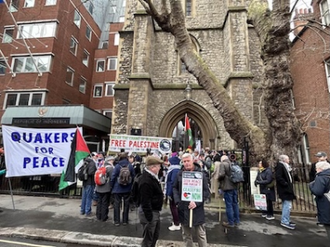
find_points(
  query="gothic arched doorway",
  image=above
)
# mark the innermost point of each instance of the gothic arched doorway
(198, 116)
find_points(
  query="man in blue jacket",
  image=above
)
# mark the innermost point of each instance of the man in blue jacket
(121, 191)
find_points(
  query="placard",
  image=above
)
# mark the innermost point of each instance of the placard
(192, 186)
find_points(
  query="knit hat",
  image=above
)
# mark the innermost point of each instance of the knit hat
(152, 160)
(174, 160)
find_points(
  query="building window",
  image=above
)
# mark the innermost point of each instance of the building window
(37, 30)
(69, 76)
(29, 3)
(327, 72)
(109, 91)
(82, 85)
(88, 33)
(77, 18)
(3, 66)
(73, 46)
(188, 7)
(116, 41)
(85, 59)
(325, 12)
(14, 4)
(8, 35)
(100, 65)
(108, 113)
(28, 64)
(50, 2)
(91, 8)
(112, 63)
(24, 98)
(104, 45)
(97, 92)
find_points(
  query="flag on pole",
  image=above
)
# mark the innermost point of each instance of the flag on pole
(79, 151)
(188, 131)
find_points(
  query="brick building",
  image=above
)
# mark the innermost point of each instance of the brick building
(310, 68)
(67, 40)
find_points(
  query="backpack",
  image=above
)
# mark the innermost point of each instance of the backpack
(236, 173)
(124, 177)
(82, 172)
(101, 176)
(135, 195)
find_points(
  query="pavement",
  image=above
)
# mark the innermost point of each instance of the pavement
(58, 219)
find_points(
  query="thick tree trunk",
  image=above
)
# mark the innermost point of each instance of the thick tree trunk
(277, 85)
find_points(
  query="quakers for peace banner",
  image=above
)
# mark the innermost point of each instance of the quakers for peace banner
(31, 152)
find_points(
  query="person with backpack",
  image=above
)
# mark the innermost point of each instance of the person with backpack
(121, 184)
(103, 189)
(87, 187)
(265, 179)
(230, 193)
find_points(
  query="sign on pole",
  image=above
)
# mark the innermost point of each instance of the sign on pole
(192, 186)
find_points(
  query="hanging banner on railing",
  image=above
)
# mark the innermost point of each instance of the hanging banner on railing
(132, 143)
(31, 152)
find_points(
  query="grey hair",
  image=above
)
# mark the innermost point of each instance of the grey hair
(323, 165)
(283, 157)
(186, 155)
(224, 157)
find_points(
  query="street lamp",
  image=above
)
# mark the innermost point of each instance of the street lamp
(188, 91)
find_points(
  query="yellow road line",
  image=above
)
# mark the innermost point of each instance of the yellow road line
(25, 244)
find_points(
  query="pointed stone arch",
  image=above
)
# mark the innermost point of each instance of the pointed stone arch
(197, 113)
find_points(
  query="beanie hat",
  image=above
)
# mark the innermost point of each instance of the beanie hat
(174, 160)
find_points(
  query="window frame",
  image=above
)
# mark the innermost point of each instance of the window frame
(73, 49)
(88, 33)
(77, 18)
(50, 2)
(107, 85)
(28, 30)
(84, 80)
(14, 5)
(325, 14)
(69, 69)
(327, 72)
(98, 85)
(28, 2)
(104, 112)
(116, 39)
(97, 65)
(18, 96)
(85, 59)
(110, 59)
(3, 66)
(6, 35)
(25, 62)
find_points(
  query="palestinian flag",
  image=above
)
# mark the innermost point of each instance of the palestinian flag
(79, 151)
(188, 131)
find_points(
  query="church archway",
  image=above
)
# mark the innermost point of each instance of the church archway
(196, 113)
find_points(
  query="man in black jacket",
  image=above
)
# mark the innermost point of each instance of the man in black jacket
(321, 156)
(151, 199)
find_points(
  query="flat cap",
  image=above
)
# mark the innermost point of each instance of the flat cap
(321, 154)
(152, 160)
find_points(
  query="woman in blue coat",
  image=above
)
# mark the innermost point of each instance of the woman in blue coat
(318, 187)
(265, 179)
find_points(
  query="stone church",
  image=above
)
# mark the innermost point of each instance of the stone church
(154, 91)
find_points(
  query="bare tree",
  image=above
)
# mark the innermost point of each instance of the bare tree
(283, 134)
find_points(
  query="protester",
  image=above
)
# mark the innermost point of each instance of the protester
(88, 189)
(284, 183)
(318, 187)
(321, 156)
(230, 193)
(266, 182)
(184, 207)
(214, 176)
(151, 201)
(173, 170)
(104, 192)
(121, 191)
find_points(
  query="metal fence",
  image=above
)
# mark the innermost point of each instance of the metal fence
(48, 186)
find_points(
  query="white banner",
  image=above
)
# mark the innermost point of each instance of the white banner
(36, 151)
(139, 143)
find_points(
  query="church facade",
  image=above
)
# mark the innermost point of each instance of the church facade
(154, 91)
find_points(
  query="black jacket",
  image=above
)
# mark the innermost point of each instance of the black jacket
(318, 187)
(91, 169)
(265, 180)
(198, 212)
(151, 194)
(283, 183)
